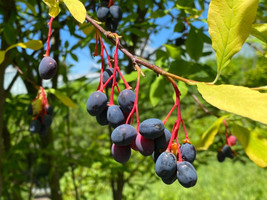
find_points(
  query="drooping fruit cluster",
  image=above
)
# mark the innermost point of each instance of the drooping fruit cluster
(172, 160)
(41, 112)
(48, 66)
(226, 151)
(110, 14)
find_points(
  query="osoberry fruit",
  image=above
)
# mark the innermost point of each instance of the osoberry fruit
(231, 140)
(227, 151)
(111, 25)
(115, 12)
(161, 143)
(220, 156)
(107, 74)
(102, 117)
(96, 103)
(102, 13)
(47, 120)
(29, 109)
(115, 116)
(123, 135)
(145, 146)
(121, 153)
(188, 152)
(171, 179)
(35, 126)
(47, 68)
(186, 174)
(151, 128)
(166, 165)
(49, 110)
(126, 100)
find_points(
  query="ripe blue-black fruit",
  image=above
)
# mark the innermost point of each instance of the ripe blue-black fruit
(29, 109)
(123, 135)
(47, 120)
(220, 156)
(96, 103)
(161, 143)
(227, 151)
(104, 3)
(171, 179)
(126, 100)
(151, 128)
(115, 116)
(35, 126)
(121, 153)
(49, 110)
(186, 174)
(155, 155)
(188, 152)
(102, 117)
(47, 68)
(145, 146)
(115, 12)
(102, 13)
(165, 165)
(111, 25)
(107, 74)
(43, 130)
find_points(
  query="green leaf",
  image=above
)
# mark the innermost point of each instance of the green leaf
(32, 44)
(62, 97)
(253, 143)
(194, 44)
(130, 77)
(173, 51)
(156, 90)
(182, 88)
(36, 106)
(260, 31)
(54, 8)
(29, 6)
(236, 99)
(77, 9)
(230, 24)
(207, 137)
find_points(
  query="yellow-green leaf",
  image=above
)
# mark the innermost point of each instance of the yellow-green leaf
(230, 24)
(87, 29)
(236, 99)
(54, 8)
(173, 51)
(32, 44)
(260, 31)
(36, 106)
(253, 143)
(77, 9)
(208, 136)
(62, 97)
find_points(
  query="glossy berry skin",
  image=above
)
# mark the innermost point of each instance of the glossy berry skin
(166, 165)
(115, 116)
(151, 128)
(145, 146)
(227, 151)
(126, 100)
(121, 153)
(188, 152)
(171, 179)
(123, 135)
(49, 110)
(186, 174)
(102, 13)
(161, 143)
(111, 25)
(35, 126)
(107, 74)
(96, 103)
(47, 68)
(220, 156)
(102, 117)
(115, 12)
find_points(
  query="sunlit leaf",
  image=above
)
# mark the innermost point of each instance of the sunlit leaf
(253, 143)
(236, 99)
(208, 136)
(32, 44)
(54, 8)
(36, 106)
(87, 29)
(62, 97)
(230, 24)
(260, 31)
(77, 9)
(194, 43)
(173, 51)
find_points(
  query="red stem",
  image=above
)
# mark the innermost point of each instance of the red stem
(49, 36)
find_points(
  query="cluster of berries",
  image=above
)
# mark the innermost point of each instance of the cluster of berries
(41, 114)
(110, 14)
(225, 150)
